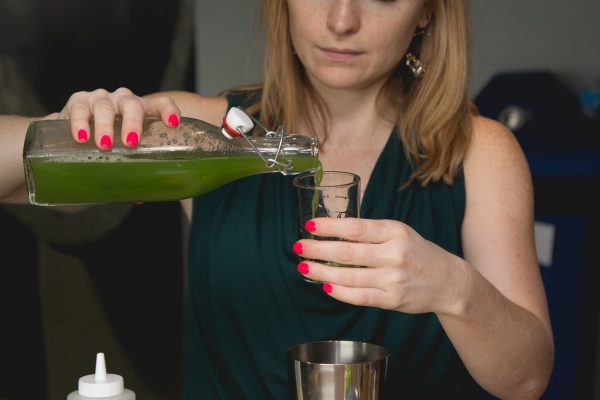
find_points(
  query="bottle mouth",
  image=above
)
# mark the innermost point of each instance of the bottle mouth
(315, 147)
(302, 142)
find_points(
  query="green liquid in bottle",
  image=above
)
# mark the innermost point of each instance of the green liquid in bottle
(168, 164)
(73, 182)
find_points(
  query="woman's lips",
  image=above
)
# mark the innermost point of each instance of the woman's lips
(340, 54)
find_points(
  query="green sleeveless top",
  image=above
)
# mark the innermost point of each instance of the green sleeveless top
(246, 303)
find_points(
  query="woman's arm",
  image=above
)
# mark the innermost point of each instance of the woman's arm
(492, 303)
(102, 106)
(503, 331)
(12, 175)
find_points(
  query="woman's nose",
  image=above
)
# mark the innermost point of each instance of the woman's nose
(344, 17)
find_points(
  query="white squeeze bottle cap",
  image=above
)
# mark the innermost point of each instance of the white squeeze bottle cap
(101, 385)
(236, 120)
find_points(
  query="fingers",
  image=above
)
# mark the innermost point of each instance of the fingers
(343, 252)
(357, 286)
(104, 119)
(78, 111)
(353, 229)
(132, 109)
(349, 276)
(164, 107)
(366, 297)
(103, 106)
(81, 107)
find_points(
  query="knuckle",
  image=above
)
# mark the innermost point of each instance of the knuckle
(131, 101)
(348, 278)
(102, 106)
(402, 256)
(123, 91)
(395, 257)
(78, 108)
(399, 300)
(100, 92)
(355, 228)
(78, 96)
(405, 231)
(397, 276)
(165, 101)
(364, 298)
(345, 252)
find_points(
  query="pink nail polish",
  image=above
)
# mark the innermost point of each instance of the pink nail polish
(310, 226)
(106, 142)
(298, 249)
(132, 139)
(82, 135)
(303, 268)
(173, 120)
(327, 288)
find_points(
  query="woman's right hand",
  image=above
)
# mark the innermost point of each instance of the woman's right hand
(102, 106)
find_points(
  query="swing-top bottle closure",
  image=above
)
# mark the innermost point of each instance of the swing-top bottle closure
(238, 123)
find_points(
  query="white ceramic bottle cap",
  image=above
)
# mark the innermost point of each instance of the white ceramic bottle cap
(101, 384)
(236, 120)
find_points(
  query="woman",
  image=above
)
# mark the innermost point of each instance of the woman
(452, 286)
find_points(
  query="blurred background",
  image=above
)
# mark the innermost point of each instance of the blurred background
(111, 279)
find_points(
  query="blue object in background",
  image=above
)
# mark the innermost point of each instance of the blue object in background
(589, 99)
(562, 144)
(563, 281)
(565, 198)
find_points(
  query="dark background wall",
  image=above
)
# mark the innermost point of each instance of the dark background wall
(108, 279)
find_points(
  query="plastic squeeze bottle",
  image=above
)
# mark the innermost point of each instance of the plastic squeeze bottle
(101, 385)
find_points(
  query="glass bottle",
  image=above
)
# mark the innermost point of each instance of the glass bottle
(168, 163)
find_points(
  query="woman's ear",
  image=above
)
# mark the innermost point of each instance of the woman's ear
(426, 14)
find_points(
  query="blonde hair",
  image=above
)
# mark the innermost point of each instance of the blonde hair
(432, 113)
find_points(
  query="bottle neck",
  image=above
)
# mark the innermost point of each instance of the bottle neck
(288, 154)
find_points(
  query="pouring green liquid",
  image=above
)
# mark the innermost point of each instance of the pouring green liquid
(168, 163)
(318, 179)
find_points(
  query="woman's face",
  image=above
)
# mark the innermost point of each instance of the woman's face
(353, 44)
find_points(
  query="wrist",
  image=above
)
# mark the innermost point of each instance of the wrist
(459, 286)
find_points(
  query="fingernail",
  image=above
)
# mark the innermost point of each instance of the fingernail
(173, 120)
(106, 142)
(327, 288)
(310, 226)
(303, 268)
(298, 249)
(82, 135)
(132, 139)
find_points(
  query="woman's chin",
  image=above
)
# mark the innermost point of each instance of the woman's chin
(341, 82)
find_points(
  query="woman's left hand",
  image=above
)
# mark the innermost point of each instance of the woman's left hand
(405, 272)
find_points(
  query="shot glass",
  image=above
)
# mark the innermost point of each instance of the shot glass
(334, 194)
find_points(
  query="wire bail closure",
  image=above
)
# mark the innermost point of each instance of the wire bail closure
(279, 133)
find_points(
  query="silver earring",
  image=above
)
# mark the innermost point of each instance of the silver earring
(415, 65)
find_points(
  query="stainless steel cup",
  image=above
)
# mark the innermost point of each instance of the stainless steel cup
(336, 370)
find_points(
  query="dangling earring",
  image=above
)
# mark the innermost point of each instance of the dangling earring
(412, 62)
(415, 65)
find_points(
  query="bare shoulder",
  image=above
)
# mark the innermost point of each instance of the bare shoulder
(494, 151)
